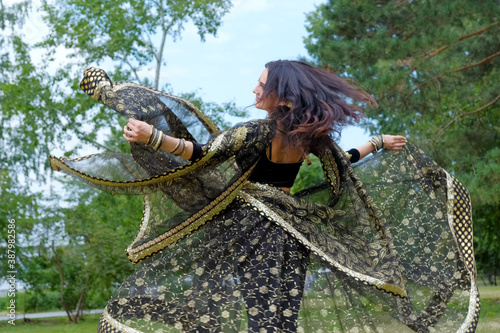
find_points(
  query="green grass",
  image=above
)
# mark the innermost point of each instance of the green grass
(52, 325)
(489, 320)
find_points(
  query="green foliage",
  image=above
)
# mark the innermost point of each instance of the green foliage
(309, 175)
(72, 244)
(433, 68)
(124, 31)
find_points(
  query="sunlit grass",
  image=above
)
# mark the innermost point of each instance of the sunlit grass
(489, 321)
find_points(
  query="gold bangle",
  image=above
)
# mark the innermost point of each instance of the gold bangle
(176, 147)
(150, 135)
(183, 148)
(377, 143)
(158, 140)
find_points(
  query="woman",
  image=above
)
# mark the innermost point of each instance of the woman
(293, 139)
(224, 247)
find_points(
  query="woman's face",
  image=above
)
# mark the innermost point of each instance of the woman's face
(264, 104)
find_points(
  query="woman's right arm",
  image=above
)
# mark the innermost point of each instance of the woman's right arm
(140, 131)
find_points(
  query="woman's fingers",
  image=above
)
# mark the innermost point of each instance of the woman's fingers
(394, 142)
(128, 133)
(137, 131)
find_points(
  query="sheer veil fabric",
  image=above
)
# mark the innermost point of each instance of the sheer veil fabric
(385, 245)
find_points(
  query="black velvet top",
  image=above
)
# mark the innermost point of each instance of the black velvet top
(269, 172)
(278, 174)
(266, 171)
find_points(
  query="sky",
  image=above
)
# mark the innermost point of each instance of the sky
(226, 67)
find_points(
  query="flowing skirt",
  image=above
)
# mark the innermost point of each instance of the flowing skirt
(393, 253)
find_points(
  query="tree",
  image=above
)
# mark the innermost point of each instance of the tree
(133, 33)
(76, 247)
(433, 68)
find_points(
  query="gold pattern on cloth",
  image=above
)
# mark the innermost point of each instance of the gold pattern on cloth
(382, 245)
(460, 220)
(61, 164)
(144, 222)
(108, 325)
(382, 285)
(189, 225)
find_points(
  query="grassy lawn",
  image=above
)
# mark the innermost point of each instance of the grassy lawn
(52, 325)
(489, 321)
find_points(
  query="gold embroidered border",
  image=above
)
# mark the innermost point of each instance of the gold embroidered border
(330, 168)
(379, 284)
(97, 91)
(188, 226)
(473, 312)
(449, 206)
(116, 324)
(144, 222)
(58, 164)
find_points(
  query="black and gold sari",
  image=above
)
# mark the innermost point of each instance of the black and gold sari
(382, 246)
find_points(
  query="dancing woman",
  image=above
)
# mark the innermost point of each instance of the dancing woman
(224, 247)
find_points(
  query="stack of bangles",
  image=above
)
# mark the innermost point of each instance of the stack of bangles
(157, 137)
(377, 143)
(179, 143)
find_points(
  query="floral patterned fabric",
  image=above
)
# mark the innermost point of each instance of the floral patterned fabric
(382, 246)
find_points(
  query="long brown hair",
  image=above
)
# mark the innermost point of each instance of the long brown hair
(311, 102)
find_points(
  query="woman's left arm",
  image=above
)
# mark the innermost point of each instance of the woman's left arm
(390, 142)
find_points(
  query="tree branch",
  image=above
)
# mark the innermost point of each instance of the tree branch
(134, 70)
(159, 55)
(489, 58)
(480, 31)
(437, 77)
(441, 131)
(432, 53)
(80, 305)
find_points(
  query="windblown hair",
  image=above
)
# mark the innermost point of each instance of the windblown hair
(317, 100)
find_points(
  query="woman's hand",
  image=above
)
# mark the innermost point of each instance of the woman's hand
(394, 142)
(137, 131)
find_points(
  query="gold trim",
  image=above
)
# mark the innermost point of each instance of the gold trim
(471, 313)
(379, 284)
(97, 91)
(58, 163)
(116, 324)
(188, 226)
(144, 222)
(449, 206)
(456, 223)
(330, 168)
(472, 308)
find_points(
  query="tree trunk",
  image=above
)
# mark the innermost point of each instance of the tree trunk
(80, 305)
(60, 270)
